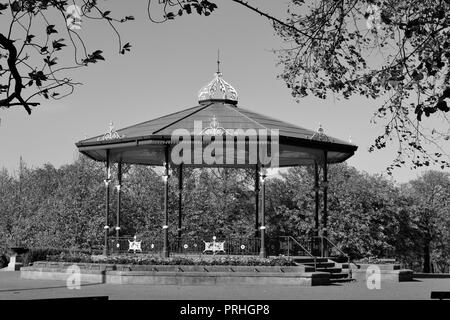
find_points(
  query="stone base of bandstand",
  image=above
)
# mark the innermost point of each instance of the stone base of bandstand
(177, 275)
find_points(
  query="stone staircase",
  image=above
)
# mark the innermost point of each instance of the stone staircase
(339, 272)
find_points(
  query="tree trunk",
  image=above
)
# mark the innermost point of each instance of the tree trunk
(426, 257)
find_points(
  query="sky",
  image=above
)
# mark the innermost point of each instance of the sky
(168, 64)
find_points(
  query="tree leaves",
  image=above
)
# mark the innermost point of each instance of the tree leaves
(127, 18)
(430, 194)
(94, 57)
(29, 38)
(404, 61)
(442, 105)
(31, 42)
(50, 61)
(202, 7)
(38, 77)
(51, 29)
(16, 6)
(170, 15)
(369, 216)
(58, 44)
(125, 48)
(3, 6)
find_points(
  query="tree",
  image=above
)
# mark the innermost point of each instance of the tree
(429, 195)
(368, 215)
(363, 212)
(7, 207)
(290, 203)
(389, 49)
(363, 209)
(218, 202)
(142, 206)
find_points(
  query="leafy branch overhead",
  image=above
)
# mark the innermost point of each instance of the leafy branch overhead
(39, 34)
(395, 52)
(33, 59)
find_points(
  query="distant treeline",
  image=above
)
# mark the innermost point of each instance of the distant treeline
(369, 216)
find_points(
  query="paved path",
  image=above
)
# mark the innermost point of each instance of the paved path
(13, 287)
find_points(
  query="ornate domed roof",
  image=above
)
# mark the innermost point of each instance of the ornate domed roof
(218, 89)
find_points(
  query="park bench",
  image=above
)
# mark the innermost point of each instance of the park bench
(440, 295)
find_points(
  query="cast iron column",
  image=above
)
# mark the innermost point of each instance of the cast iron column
(119, 200)
(317, 208)
(107, 181)
(180, 200)
(262, 250)
(325, 199)
(256, 201)
(166, 205)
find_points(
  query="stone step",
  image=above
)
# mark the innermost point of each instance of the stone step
(305, 260)
(339, 259)
(321, 264)
(308, 268)
(339, 275)
(330, 270)
(342, 280)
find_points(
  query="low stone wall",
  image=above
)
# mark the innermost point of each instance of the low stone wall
(420, 275)
(49, 273)
(178, 275)
(214, 278)
(386, 275)
(389, 272)
(388, 266)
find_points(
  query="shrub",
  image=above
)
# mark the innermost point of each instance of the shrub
(154, 260)
(54, 254)
(374, 260)
(3, 261)
(37, 254)
(76, 257)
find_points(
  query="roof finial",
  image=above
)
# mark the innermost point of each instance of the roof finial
(218, 61)
(218, 89)
(320, 134)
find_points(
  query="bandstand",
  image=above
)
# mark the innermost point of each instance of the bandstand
(215, 133)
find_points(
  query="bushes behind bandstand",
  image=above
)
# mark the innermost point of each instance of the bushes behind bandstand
(369, 216)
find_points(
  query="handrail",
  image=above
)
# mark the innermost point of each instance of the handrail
(302, 247)
(333, 245)
(343, 253)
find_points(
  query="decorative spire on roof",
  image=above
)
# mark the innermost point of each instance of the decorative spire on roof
(320, 135)
(218, 88)
(215, 129)
(111, 134)
(218, 61)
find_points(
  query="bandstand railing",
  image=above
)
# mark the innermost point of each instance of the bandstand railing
(187, 245)
(275, 246)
